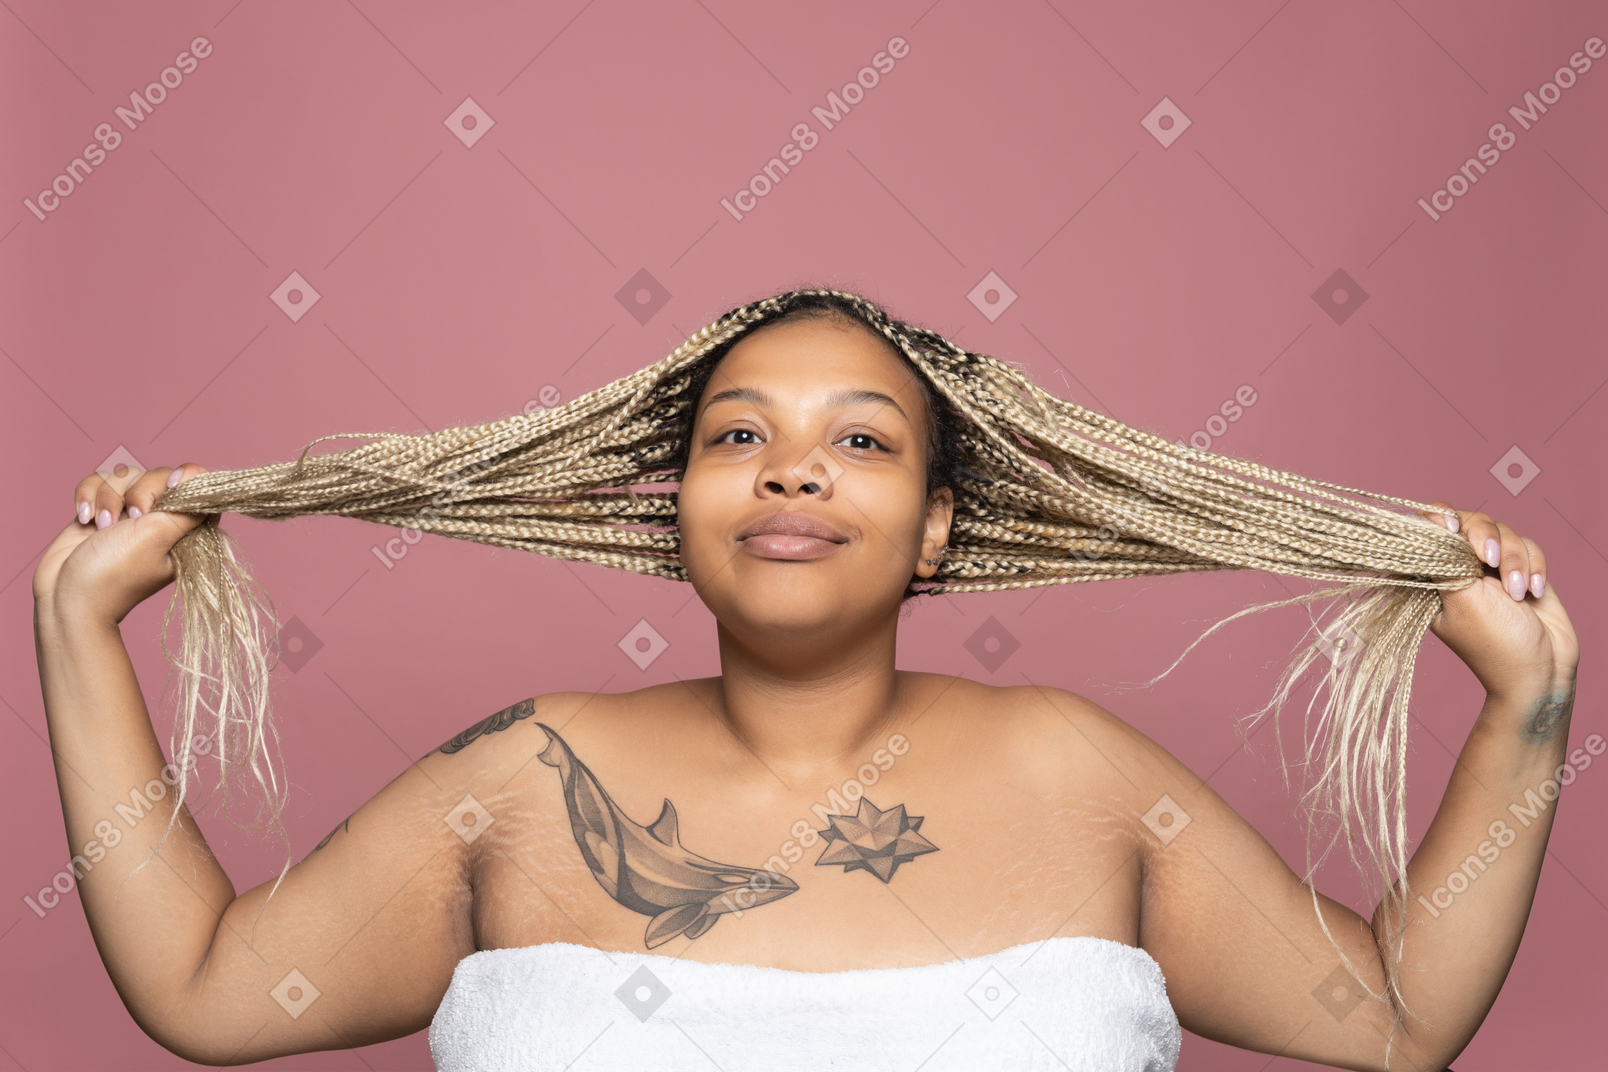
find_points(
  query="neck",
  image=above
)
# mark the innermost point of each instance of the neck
(805, 708)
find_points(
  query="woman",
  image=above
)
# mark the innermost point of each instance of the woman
(1017, 879)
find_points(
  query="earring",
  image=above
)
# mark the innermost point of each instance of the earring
(935, 561)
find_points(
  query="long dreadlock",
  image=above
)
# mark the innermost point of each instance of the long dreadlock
(1040, 485)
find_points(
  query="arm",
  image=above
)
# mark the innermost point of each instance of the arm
(1235, 931)
(360, 939)
(1246, 962)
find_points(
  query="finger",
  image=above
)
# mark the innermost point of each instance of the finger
(1449, 518)
(184, 472)
(1514, 570)
(84, 497)
(106, 503)
(176, 476)
(121, 479)
(1538, 567)
(121, 476)
(1483, 534)
(144, 492)
(114, 491)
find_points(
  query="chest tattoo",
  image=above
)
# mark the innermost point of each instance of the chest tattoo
(646, 868)
(873, 840)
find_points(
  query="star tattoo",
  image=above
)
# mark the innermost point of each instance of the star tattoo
(873, 840)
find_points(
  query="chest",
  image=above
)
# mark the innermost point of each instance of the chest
(906, 872)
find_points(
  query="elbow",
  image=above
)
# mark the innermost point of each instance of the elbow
(1441, 1057)
(191, 1045)
(1431, 1051)
(197, 1036)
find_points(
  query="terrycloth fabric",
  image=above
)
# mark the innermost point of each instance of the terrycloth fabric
(1066, 1003)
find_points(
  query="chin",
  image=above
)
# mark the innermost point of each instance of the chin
(808, 598)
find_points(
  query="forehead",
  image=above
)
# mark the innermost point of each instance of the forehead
(805, 358)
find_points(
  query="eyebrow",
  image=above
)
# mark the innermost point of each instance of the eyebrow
(836, 398)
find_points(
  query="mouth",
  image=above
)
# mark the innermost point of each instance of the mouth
(791, 535)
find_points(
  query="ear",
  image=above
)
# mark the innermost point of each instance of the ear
(940, 513)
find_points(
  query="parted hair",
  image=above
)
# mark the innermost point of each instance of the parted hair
(1046, 492)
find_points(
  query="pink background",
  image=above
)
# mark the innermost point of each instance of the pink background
(457, 282)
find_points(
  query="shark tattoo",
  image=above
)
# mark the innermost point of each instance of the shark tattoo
(646, 868)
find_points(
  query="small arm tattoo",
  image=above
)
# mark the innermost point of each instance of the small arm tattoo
(1547, 716)
(345, 824)
(492, 724)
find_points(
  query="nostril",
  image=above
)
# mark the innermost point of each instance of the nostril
(811, 488)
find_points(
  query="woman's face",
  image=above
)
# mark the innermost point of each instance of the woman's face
(816, 430)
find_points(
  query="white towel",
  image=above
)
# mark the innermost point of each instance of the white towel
(1066, 1003)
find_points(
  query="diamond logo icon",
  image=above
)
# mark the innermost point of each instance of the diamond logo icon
(120, 457)
(992, 297)
(1166, 122)
(992, 644)
(818, 470)
(294, 993)
(642, 296)
(991, 993)
(295, 296)
(1339, 642)
(469, 122)
(1515, 470)
(1340, 296)
(297, 644)
(1166, 819)
(469, 819)
(643, 993)
(643, 644)
(1339, 993)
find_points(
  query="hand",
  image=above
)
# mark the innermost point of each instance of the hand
(1509, 626)
(114, 553)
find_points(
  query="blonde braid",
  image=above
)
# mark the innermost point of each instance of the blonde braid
(1042, 481)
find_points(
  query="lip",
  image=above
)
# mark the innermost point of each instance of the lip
(791, 535)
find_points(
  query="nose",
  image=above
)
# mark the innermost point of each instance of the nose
(794, 468)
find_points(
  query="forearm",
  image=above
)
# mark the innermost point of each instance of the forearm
(1474, 876)
(153, 924)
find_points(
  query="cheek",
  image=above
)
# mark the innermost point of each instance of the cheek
(705, 504)
(893, 520)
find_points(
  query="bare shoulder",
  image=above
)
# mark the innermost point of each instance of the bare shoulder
(1055, 741)
(1130, 754)
(499, 747)
(490, 735)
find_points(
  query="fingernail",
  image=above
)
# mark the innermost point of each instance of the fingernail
(103, 519)
(84, 513)
(1452, 523)
(1537, 585)
(1516, 584)
(1493, 552)
(173, 477)
(134, 511)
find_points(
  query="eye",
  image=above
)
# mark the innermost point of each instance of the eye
(754, 437)
(863, 441)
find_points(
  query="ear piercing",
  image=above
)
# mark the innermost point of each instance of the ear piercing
(935, 561)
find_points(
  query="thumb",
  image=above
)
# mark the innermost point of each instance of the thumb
(165, 522)
(137, 559)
